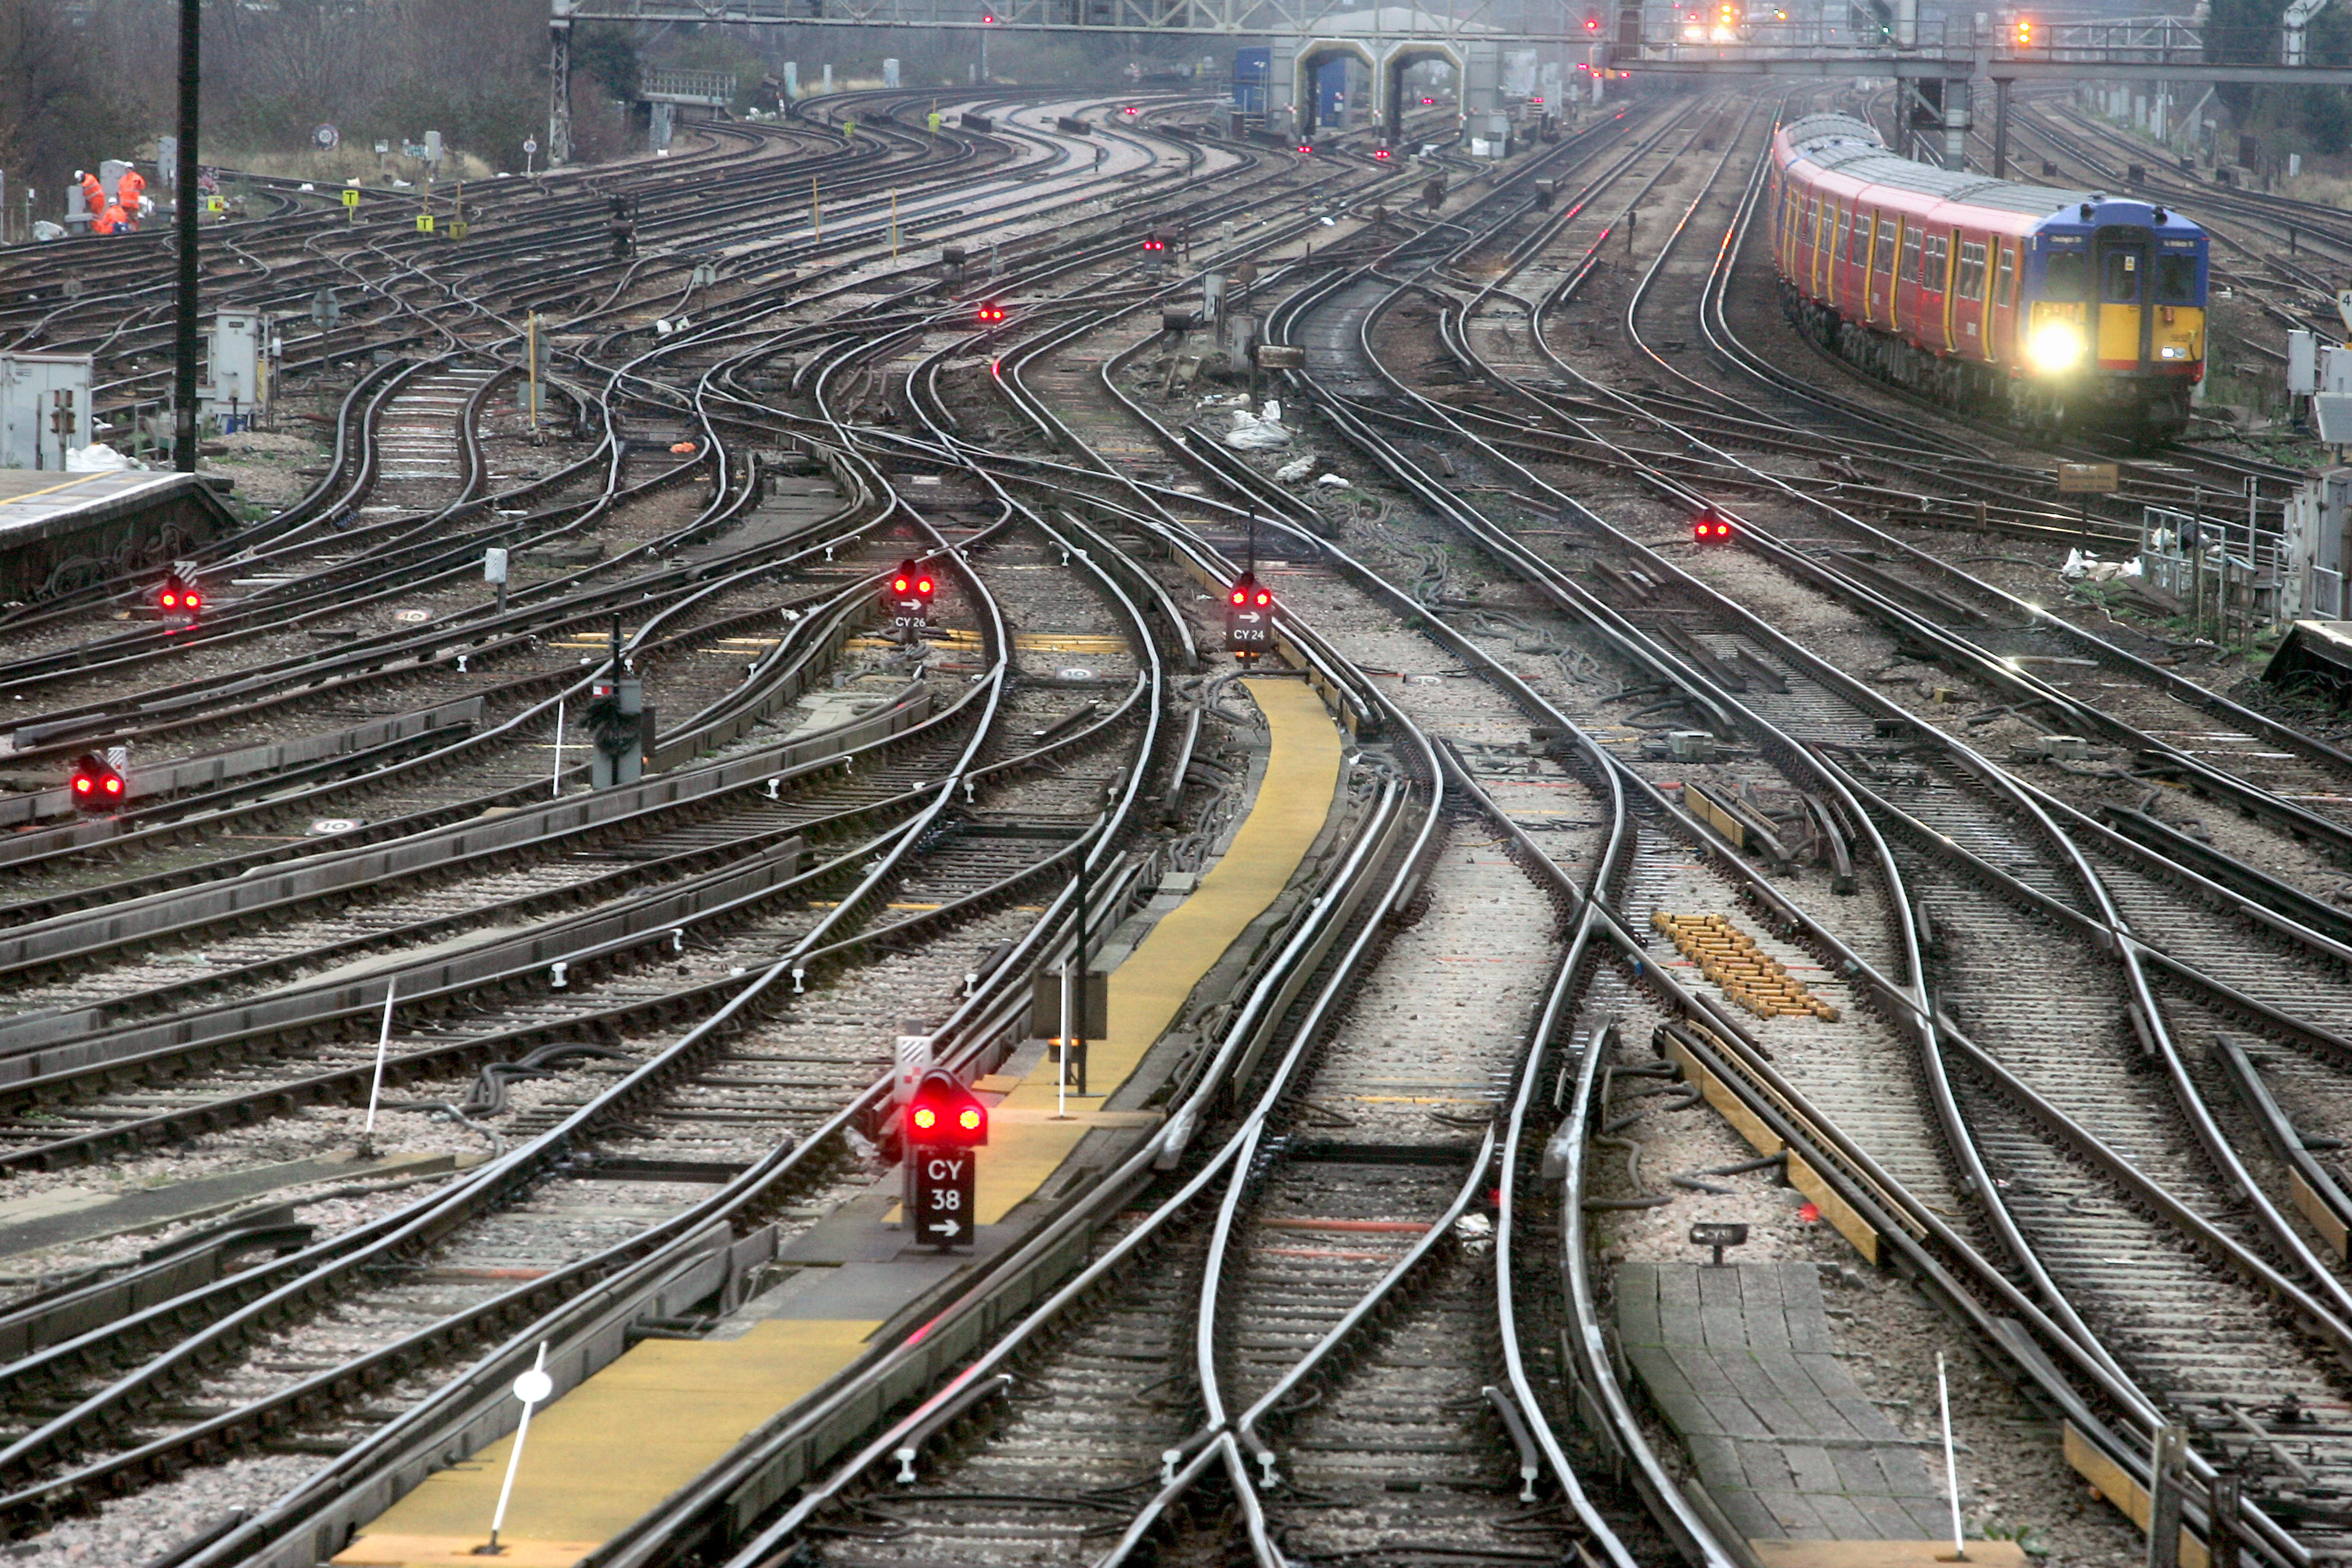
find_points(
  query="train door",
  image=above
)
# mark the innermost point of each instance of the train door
(1968, 298)
(2120, 263)
(1884, 236)
(2003, 312)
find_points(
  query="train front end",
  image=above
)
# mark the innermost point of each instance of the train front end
(2114, 334)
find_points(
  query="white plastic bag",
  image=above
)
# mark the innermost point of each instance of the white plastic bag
(1290, 473)
(98, 458)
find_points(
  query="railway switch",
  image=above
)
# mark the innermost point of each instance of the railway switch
(1249, 618)
(99, 783)
(945, 1123)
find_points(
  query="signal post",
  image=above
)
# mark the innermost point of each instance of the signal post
(945, 1126)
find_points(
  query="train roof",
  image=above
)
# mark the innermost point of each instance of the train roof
(1854, 149)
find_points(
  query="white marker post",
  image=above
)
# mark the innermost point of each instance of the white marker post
(1951, 1468)
(530, 1388)
(555, 779)
(375, 1088)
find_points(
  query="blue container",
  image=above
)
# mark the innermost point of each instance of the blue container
(1253, 70)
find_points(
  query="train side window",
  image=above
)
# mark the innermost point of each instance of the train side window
(1857, 248)
(2120, 285)
(1887, 230)
(1936, 273)
(1972, 270)
(2067, 277)
(2004, 283)
(2176, 281)
(1812, 222)
(1911, 246)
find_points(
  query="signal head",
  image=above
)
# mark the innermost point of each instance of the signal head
(1426, 102)
(97, 784)
(1711, 527)
(942, 1112)
(1380, 153)
(1305, 149)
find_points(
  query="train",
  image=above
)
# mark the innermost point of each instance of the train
(2056, 309)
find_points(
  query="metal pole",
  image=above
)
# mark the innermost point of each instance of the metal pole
(534, 1382)
(1951, 1468)
(2001, 127)
(375, 1088)
(555, 778)
(183, 347)
(817, 213)
(1078, 962)
(2167, 1470)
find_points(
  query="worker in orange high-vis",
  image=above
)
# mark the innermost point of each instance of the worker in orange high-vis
(110, 220)
(127, 192)
(93, 194)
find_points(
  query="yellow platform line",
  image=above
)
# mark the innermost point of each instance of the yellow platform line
(604, 1454)
(607, 1452)
(1302, 771)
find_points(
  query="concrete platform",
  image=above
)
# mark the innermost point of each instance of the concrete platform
(118, 521)
(1739, 1360)
(647, 1425)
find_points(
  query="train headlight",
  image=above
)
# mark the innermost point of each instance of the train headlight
(2056, 346)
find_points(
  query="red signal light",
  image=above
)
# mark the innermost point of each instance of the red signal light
(171, 600)
(1304, 151)
(942, 1112)
(192, 598)
(1536, 100)
(992, 311)
(898, 585)
(1264, 597)
(1379, 152)
(1132, 109)
(1427, 102)
(1711, 527)
(923, 587)
(97, 784)
(1241, 597)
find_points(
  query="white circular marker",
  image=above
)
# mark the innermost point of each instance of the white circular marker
(533, 1386)
(1074, 673)
(411, 618)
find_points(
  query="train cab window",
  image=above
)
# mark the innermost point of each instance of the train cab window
(2067, 277)
(2176, 281)
(2004, 283)
(1911, 248)
(2120, 279)
(1887, 229)
(1971, 278)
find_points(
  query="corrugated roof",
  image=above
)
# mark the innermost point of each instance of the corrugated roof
(1854, 149)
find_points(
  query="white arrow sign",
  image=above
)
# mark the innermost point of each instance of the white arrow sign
(947, 1228)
